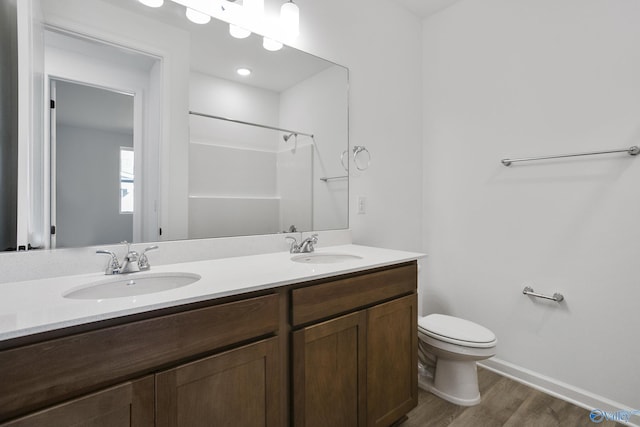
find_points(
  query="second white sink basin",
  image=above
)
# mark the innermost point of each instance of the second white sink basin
(132, 285)
(323, 258)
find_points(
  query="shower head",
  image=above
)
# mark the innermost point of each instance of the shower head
(286, 137)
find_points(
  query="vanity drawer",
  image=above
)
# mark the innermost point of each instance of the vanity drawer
(324, 300)
(40, 374)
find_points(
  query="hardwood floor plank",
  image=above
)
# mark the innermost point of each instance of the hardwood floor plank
(505, 403)
(498, 404)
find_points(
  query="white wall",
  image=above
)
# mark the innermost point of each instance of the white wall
(295, 188)
(88, 187)
(318, 105)
(380, 44)
(506, 78)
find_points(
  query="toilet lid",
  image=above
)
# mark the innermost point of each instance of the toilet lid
(455, 330)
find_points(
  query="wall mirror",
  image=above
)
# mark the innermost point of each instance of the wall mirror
(151, 134)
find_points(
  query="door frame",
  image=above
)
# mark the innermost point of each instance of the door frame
(147, 188)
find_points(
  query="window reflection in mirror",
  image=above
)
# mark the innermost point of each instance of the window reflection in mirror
(126, 180)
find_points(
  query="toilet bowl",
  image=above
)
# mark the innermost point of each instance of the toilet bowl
(456, 344)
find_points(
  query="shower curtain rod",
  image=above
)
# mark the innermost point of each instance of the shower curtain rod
(294, 132)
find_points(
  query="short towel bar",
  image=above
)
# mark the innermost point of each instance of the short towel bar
(528, 290)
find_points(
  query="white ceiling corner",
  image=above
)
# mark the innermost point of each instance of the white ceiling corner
(425, 8)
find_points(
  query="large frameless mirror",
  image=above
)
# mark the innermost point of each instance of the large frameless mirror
(147, 127)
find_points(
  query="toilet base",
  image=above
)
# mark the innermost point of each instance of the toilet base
(455, 381)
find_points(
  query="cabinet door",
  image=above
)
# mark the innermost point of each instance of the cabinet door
(128, 404)
(392, 360)
(237, 388)
(329, 372)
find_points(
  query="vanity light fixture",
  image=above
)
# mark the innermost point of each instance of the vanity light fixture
(238, 32)
(271, 44)
(290, 19)
(244, 18)
(243, 71)
(197, 17)
(254, 7)
(235, 30)
(152, 3)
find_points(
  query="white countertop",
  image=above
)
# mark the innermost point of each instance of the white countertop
(36, 306)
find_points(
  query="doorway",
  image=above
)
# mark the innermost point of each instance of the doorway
(93, 178)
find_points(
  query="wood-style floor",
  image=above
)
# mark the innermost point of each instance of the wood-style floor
(504, 403)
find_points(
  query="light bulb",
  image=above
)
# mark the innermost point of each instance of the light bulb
(255, 7)
(290, 19)
(152, 3)
(271, 44)
(197, 17)
(238, 32)
(243, 71)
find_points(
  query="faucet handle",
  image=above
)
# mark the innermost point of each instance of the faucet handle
(293, 246)
(308, 243)
(143, 261)
(113, 267)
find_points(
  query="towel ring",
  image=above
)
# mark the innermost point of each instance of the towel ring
(357, 149)
(346, 168)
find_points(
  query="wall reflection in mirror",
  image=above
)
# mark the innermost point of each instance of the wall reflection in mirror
(142, 129)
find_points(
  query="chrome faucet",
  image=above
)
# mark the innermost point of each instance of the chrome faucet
(129, 264)
(305, 246)
(130, 257)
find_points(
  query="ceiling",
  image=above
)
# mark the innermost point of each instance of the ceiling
(215, 52)
(425, 8)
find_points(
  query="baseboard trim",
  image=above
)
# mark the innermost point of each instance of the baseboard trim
(555, 388)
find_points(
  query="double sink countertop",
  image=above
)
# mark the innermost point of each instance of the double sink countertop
(36, 306)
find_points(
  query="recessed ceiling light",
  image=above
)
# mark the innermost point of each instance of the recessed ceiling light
(243, 71)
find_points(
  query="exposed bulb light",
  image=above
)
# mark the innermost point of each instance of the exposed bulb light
(290, 19)
(152, 3)
(243, 71)
(238, 32)
(254, 7)
(197, 17)
(271, 44)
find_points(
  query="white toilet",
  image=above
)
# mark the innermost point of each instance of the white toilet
(456, 344)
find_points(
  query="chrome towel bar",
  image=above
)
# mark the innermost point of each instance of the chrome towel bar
(528, 290)
(332, 178)
(632, 151)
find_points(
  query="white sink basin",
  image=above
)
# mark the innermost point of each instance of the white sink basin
(323, 258)
(132, 285)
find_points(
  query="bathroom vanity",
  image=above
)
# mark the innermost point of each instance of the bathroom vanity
(325, 345)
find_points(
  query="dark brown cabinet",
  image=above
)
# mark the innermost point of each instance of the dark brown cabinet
(340, 351)
(239, 387)
(329, 373)
(128, 404)
(392, 366)
(358, 369)
(85, 379)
